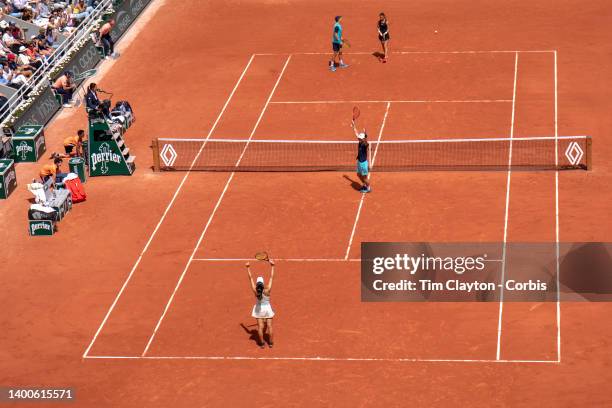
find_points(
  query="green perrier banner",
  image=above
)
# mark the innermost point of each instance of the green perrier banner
(105, 156)
(29, 143)
(8, 178)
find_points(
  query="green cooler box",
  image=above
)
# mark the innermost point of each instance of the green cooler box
(77, 166)
(29, 143)
(8, 178)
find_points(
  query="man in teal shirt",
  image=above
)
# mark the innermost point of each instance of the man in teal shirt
(337, 42)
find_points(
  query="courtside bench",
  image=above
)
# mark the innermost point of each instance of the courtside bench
(61, 201)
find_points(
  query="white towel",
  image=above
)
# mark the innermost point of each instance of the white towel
(39, 192)
(70, 176)
(42, 208)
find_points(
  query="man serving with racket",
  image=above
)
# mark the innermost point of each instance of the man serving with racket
(363, 154)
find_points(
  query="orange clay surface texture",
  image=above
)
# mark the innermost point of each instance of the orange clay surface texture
(177, 73)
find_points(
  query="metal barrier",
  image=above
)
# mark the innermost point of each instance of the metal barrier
(66, 49)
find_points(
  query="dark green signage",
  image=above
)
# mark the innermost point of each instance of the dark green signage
(41, 227)
(29, 143)
(8, 178)
(107, 153)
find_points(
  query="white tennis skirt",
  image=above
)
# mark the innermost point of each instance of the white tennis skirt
(262, 312)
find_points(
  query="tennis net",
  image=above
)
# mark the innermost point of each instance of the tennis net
(536, 153)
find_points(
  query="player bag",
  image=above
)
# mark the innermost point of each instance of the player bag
(77, 191)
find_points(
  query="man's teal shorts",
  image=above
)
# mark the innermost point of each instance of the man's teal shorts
(362, 168)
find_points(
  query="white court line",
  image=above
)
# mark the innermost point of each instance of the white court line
(395, 101)
(227, 184)
(348, 247)
(278, 259)
(296, 260)
(382, 127)
(413, 52)
(476, 52)
(338, 359)
(163, 217)
(557, 215)
(503, 268)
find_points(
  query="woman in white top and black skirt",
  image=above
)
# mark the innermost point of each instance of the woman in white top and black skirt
(383, 35)
(262, 311)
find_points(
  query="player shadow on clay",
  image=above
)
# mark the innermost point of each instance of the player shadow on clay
(253, 336)
(356, 185)
(378, 54)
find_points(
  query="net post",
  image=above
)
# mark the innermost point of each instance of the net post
(589, 143)
(155, 149)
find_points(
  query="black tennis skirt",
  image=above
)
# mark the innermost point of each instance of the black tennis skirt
(384, 37)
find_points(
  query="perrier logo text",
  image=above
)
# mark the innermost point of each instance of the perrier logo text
(104, 156)
(41, 225)
(23, 149)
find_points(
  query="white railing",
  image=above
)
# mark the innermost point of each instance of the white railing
(41, 77)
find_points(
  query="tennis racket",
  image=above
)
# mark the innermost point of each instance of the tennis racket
(348, 44)
(356, 113)
(262, 256)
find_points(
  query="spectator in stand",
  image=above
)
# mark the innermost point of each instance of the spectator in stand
(52, 38)
(18, 7)
(53, 171)
(9, 40)
(3, 28)
(9, 78)
(68, 22)
(61, 20)
(105, 38)
(73, 145)
(42, 36)
(52, 15)
(28, 14)
(48, 38)
(53, 18)
(24, 60)
(38, 51)
(80, 12)
(5, 74)
(19, 75)
(16, 32)
(42, 10)
(64, 86)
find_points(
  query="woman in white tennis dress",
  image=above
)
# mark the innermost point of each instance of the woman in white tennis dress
(262, 311)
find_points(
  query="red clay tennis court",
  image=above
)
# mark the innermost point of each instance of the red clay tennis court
(157, 311)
